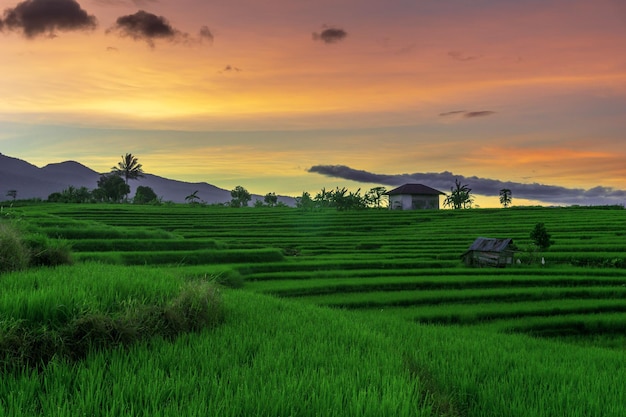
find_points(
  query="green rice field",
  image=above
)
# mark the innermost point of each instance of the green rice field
(358, 313)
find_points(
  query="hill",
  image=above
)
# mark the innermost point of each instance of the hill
(31, 181)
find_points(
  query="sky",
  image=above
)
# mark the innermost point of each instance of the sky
(290, 96)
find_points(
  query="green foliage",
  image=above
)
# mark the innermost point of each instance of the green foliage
(129, 168)
(12, 194)
(111, 189)
(305, 202)
(14, 253)
(71, 195)
(240, 197)
(540, 237)
(48, 252)
(460, 196)
(374, 197)
(145, 195)
(57, 324)
(505, 197)
(270, 199)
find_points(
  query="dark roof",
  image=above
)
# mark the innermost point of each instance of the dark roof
(488, 244)
(414, 189)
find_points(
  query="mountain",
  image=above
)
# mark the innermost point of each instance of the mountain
(32, 182)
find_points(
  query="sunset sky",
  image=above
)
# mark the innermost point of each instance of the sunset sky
(289, 96)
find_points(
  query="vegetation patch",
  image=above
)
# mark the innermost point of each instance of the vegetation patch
(46, 322)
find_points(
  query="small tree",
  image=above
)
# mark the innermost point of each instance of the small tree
(505, 197)
(192, 198)
(374, 196)
(240, 197)
(305, 202)
(111, 188)
(144, 195)
(460, 196)
(12, 194)
(270, 199)
(541, 237)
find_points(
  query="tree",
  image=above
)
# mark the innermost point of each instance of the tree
(324, 198)
(270, 199)
(129, 168)
(192, 198)
(145, 195)
(305, 202)
(12, 194)
(71, 195)
(111, 188)
(375, 195)
(240, 197)
(505, 197)
(541, 237)
(460, 196)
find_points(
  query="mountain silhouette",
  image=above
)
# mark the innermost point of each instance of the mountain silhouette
(31, 181)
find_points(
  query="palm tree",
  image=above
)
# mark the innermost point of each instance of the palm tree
(129, 168)
(505, 197)
(191, 198)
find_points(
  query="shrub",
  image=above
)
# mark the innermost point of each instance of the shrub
(197, 306)
(14, 254)
(48, 252)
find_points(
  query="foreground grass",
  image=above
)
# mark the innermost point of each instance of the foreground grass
(65, 313)
(274, 357)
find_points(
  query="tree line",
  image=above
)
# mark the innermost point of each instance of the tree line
(113, 188)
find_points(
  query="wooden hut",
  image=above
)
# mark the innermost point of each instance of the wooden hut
(414, 197)
(487, 251)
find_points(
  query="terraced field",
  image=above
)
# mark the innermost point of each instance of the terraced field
(405, 264)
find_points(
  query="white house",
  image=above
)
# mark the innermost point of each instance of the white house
(414, 197)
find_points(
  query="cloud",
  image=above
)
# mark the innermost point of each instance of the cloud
(205, 33)
(452, 113)
(150, 27)
(482, 186)
(44, 17)
(481, 113)
(145, 26)
(460, 56)
(230, 68)
(138, 3)
(330, 35)
(467, 114)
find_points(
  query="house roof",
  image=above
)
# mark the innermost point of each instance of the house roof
(488, 244)
(413, 189)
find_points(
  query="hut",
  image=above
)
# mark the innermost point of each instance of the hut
(487, 251)
(414, 197)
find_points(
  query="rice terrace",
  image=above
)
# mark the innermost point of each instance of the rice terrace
(192, 310)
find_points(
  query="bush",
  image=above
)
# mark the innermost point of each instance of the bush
(48, 252)
(14, 254)
(197, 306)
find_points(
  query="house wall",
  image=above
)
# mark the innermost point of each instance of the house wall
(477, 258)
(413, 202)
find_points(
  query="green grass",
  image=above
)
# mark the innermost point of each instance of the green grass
(528, 340)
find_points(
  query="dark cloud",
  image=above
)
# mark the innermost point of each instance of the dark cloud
(330, 35)
(138, 3)
(205, 33)
(481, 113)
(150, 27)
(230, 68)
(452, 113)
(467, 114)
(145, 26)
(460, 56)
(443, 181)
(44, 17)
